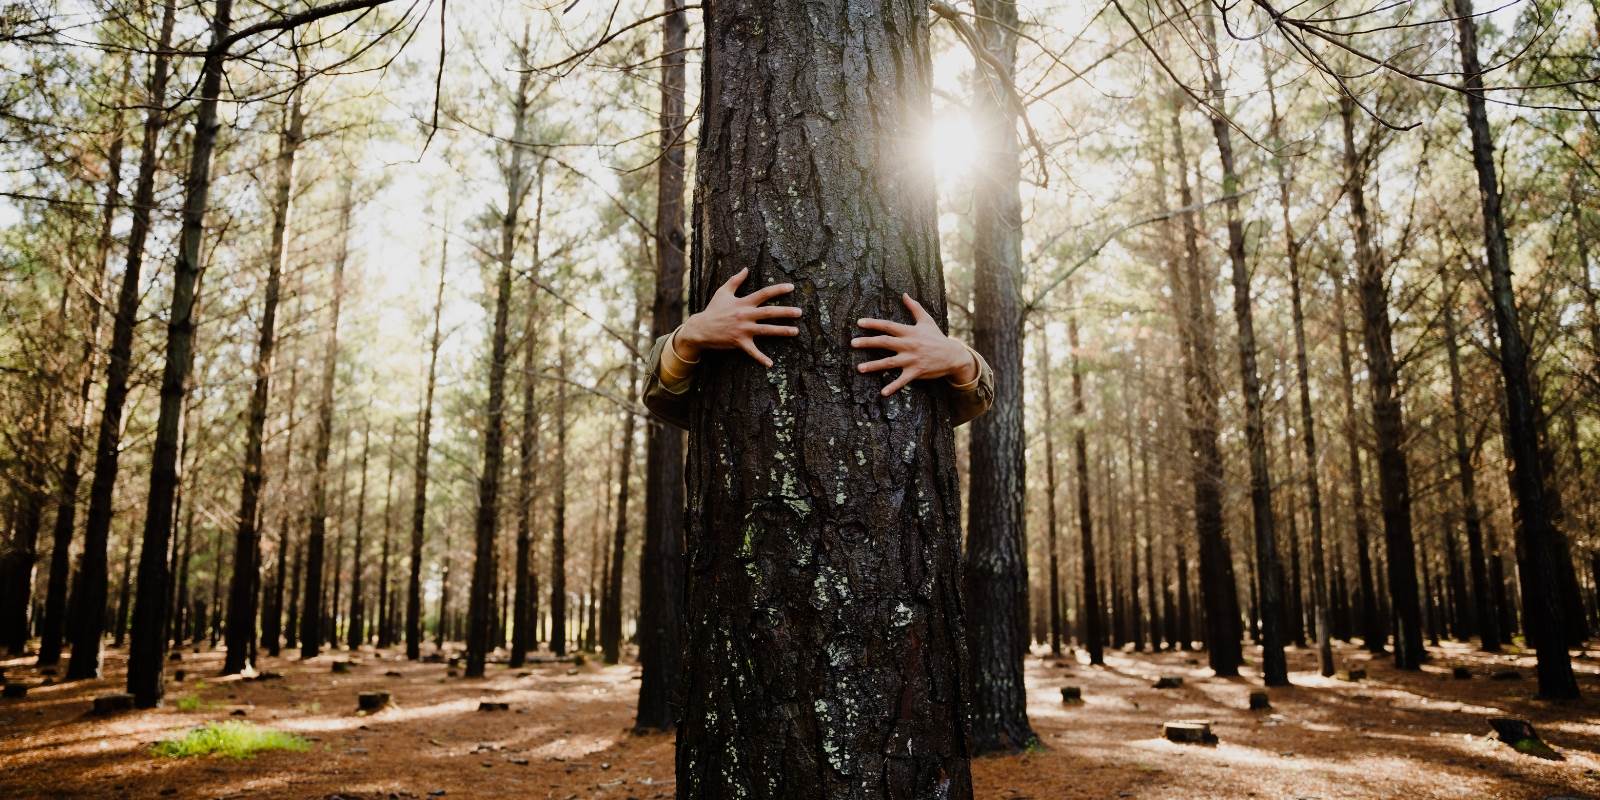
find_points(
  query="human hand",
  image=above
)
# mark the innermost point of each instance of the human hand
(920, 350)
(729, 321)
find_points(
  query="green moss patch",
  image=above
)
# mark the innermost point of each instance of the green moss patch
(232, 739)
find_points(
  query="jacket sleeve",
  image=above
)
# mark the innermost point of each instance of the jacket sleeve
(972, 400)
(671, 407)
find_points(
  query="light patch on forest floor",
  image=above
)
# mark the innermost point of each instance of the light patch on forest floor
(1414, 735)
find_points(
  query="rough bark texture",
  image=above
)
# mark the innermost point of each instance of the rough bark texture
(661, 564)
(311, 611)
(1388, 422)
(825, 654)
(1537, 539)
(1219, 593)
(89, 595)
(995, 569)
(241, 594)
(419, 504)
(1274, 668)
(148, 646)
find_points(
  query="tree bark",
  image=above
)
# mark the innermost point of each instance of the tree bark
(1483, 620)
(825, 653)
(1091, 609)
(611, 616)
(1537, 539)
(241, 593)
(312, 635)
(1394, 476)
(419, 505)
(87, 620)
(524, 602)
(1052, 548)
(1274, 668)
(661, 565)
(356, 633)
(1371, 623)
(558, 540)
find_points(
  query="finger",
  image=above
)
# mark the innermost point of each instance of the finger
(733, 284)
(760, 296)
(918, 313)
(886, 326)
(770, 312)
(774, 330)
(906, 376)
(882, 364)
(877, 343)
(755, 352)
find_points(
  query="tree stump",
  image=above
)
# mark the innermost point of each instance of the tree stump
(175, 656)
(1169, 682)
(178, 675)
(341, 667)
(1259, 701)
(1521, 737)
(14, 691)
(392, 674)
(1506, 675)
(1352, 675)
(493, 705)
(1461, 673)
(112, 703)
(1189, 731)
(372, 701)
(1071, 694)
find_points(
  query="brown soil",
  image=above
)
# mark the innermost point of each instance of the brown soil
(1411, 735)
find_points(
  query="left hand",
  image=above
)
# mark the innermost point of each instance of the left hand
(920, 351)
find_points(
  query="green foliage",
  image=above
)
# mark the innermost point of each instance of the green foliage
(232, 739)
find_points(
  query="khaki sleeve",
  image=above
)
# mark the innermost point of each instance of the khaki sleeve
(971, 400)
(666, 392)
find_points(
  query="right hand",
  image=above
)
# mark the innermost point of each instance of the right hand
(729, 321)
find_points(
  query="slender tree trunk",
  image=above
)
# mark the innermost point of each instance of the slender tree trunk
(419, 504)
(385, 606)
(1218, 590)
(661, 561)
(1537, 538)
(1274, 668)
(357, 633)
(1483, 619)
(558, 540)
(1372, 630)
(87, 620)
(1394, 476)
(1052, 548)
(826, 654)
(120, 621)
(1092, 624)
(246, 543)
(312, 635)
(524, 635)
(611, 619)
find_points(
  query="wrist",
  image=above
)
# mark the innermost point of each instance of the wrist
(966, 370)
(685, 342)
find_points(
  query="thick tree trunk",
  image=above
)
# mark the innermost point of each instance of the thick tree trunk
(241, 592)
(995, 567)
(1482, 619)
(419, 504)
(1274, 669)
(1219, 591)
(87, 620)
(1537, 539)
(524, 635)
(826, 656)
(661, 564)
(1394, 476)
(312, 635)
(148, 646)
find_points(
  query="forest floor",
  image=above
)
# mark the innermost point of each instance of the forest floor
(1392, 735)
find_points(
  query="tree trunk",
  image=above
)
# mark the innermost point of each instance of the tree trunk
(1219, 591)
(356, 634)
(1274, 669)
(611, 618)
(87, 620)
(241, 592)
(1092, 624)
(558, 540)
(1481, 614)
(1394, 477)
(385, 606)
(312, 635)
(419, 506)
(661, 564)
(1537, 539)
(825, 649)
(525, 601)
(1052, 548)
(1372, 630)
